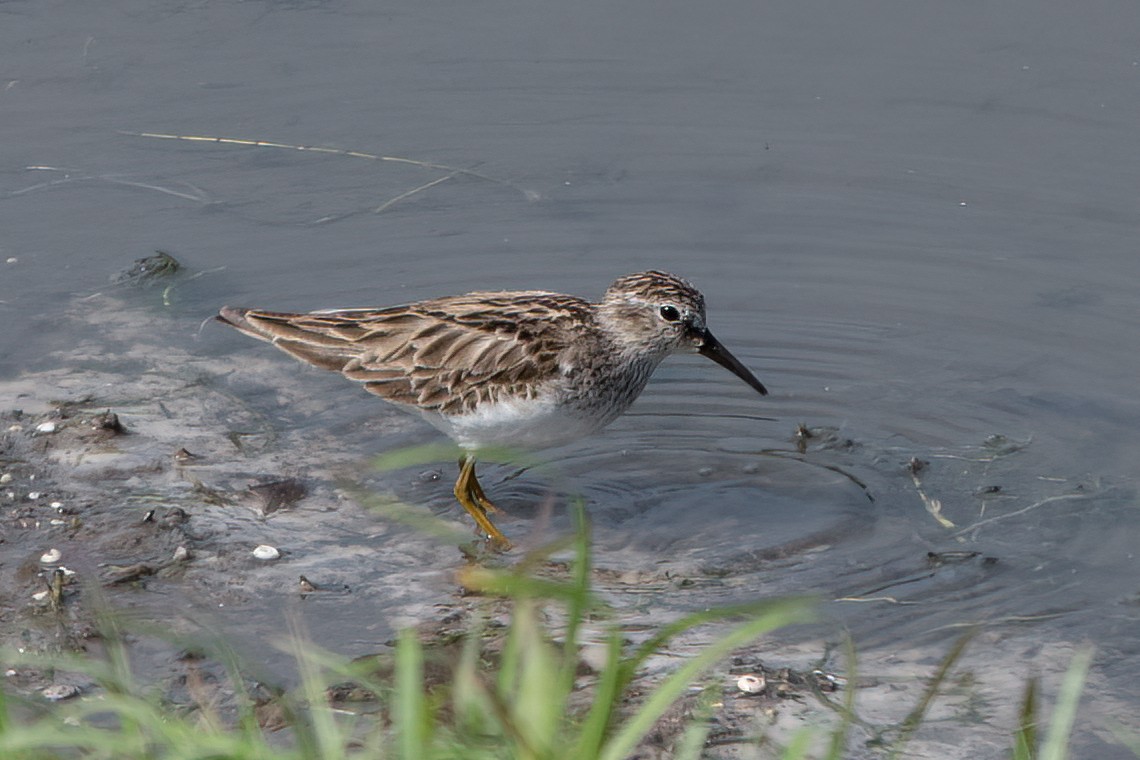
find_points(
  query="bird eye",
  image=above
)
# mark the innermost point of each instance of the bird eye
(670, 313)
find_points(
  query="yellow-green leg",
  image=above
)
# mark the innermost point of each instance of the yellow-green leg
(470, 495)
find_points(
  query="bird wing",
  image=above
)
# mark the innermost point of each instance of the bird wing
(445, 355)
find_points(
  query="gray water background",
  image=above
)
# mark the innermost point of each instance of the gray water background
(916, 222)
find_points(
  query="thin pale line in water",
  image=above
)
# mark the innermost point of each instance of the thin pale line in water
(753, 417)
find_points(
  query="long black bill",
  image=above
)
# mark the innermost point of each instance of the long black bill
(712, 348)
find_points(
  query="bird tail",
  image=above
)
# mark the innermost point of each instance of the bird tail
(235, 317)
(281, 329)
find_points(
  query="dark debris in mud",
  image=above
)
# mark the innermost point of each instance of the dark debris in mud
(148, 270)
(278, 494)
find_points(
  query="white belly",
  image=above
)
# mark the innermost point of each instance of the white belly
(523, 424)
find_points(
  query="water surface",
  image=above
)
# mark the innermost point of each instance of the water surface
(916, 223)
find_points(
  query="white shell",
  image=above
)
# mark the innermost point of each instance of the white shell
(266, 552)
(751, 684)
(46, 427)
(51, 556)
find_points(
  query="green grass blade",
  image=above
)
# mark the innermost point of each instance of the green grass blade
(1125, 738)
(4, 716)
(838, 743)
(777, 615)
(607, 693)
(538, 705)
(578, 603)
(507, 583)
(1056, 745)
(1025, 738)
(326, 734)
(692, 740)
(794, 605)
(410, 705)
(914, 719)
(799, 745)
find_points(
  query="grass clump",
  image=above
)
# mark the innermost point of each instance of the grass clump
(532, 699)
(528, 698)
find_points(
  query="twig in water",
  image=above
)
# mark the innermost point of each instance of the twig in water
(530, 195)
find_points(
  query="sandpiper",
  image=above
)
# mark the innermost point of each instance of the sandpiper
(525, 369)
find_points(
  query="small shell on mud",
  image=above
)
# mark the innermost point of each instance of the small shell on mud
(46, 427)
(33, 495)
(829, 681)
(59, 691)
(182, 455)
(181, 554)
(266, 552)
(5, 478)
(750, 684)
(51, 556)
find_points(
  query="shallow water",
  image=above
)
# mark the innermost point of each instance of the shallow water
(915, 223)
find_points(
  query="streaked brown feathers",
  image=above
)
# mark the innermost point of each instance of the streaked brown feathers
(444, 355)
